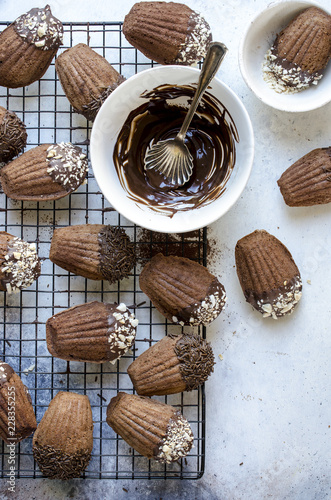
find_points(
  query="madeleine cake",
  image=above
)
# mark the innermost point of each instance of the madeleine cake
(95, 251)
(27, 47)
(174, 364)
(300, 52)
(308, 181)
(268, 275)
(92, 332)
(63, 441)
(87, 79)
(181, 289)
(167, 32)
(154, 429)
(46, 172)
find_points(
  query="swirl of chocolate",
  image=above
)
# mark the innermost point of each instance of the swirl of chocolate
(211, 141)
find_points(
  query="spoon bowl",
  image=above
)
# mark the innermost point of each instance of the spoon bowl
(171, 157)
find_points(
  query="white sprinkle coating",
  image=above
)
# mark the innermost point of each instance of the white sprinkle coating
(284, 302)
(196, 43)
(122, 333)
(286, 80)
(67, 165)
(21, 266)
(177, 441)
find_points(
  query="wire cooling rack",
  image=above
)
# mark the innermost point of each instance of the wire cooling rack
(49, 119)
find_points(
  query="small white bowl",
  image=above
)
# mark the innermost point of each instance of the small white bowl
(109, 122)
(258, 38)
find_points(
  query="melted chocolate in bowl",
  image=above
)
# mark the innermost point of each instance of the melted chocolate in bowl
(210, 139)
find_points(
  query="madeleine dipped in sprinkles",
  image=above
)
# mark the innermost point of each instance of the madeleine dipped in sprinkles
(95, 251)
(63, 442)
(174, 364)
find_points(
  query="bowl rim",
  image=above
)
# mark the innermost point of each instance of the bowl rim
(245, 74)
(178, 226)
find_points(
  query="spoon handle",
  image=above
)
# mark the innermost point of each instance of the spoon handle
(213, 59)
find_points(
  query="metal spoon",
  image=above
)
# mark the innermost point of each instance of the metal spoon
(171, 157)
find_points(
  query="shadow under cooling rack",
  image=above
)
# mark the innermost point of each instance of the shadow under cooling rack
(49, 118)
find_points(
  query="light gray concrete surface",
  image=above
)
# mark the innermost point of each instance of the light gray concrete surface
(268, 401)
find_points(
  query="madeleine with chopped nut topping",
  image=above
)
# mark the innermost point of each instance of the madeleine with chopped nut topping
(183, 290)
(154, 429)
(19, 263)
(27, 47)
(93, 332)
(268, 275)
(46, 172)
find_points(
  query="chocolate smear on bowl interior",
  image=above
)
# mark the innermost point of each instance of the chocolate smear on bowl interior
(210, 139)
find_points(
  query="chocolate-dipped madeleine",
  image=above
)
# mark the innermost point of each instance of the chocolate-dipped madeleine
(174, 364)
(300, 52)
(308, 181)
(184, 291)
(27, 47)
(13, 135)
(87, 79)
(93, 332)
(63, 441)
(154, 429)
(167, 32)
(95, 251)
(17, 418)
(19, 263)
(268, 275)
(46, 172)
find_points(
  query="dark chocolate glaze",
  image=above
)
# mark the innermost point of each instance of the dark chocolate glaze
(211, 141)
(13, 136)
(40, 27)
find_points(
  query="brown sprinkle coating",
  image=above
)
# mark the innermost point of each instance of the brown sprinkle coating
(67, 165)
(21, 266)
(13, 136)
(91, 109)
(55, 464)
(41, 28)
(196, 359)
(117, 253)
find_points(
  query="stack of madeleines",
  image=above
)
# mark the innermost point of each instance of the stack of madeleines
(182, 290)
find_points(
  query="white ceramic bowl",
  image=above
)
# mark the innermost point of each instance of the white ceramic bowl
(258, 38)
(109, 122)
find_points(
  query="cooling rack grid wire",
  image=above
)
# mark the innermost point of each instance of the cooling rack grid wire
(49, 119)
